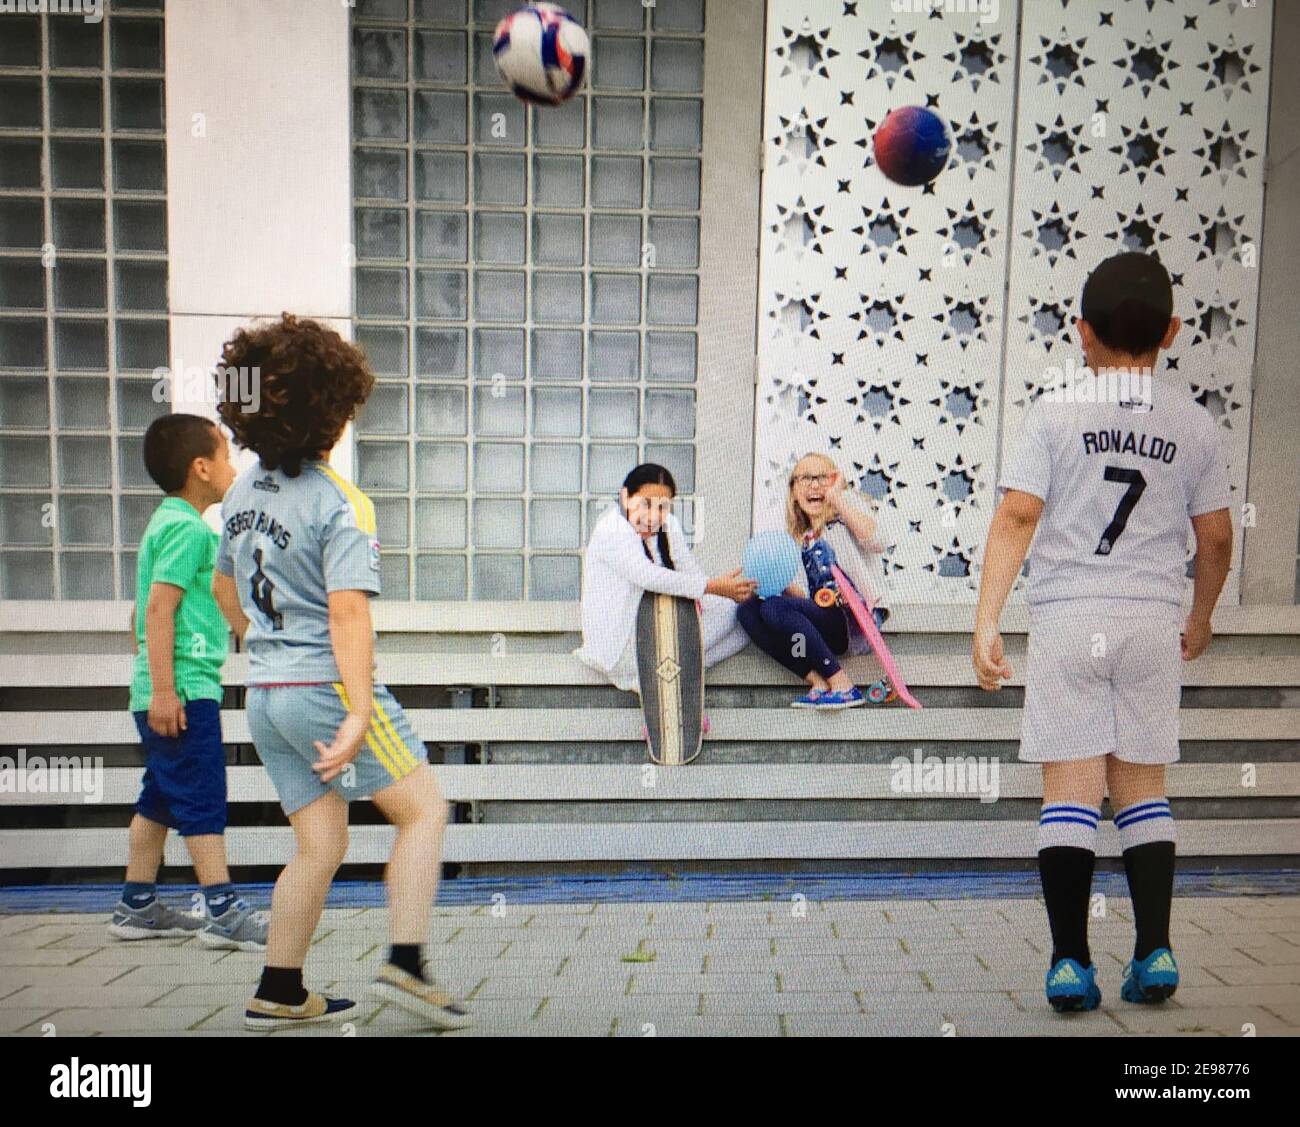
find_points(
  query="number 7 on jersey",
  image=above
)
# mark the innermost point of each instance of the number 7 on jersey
(1136, 484)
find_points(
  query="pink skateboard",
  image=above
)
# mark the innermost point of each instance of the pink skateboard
(867, 621)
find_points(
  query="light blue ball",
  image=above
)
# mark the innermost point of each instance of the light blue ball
(772, 560)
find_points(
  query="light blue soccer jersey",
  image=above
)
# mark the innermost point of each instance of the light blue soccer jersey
(288, 542)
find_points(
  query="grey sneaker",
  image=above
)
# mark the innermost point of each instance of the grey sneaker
(238, 928)
(156, 921)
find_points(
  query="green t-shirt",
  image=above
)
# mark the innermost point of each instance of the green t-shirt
(180, 549)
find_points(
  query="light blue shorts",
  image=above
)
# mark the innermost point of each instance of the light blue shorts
(285, 722)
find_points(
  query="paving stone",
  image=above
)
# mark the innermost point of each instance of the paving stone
(1211, 996)
(14, 978)
(1225, 1021)
(833, 1002)
(502, 986)
(919, 968)
(1284, 974)
(113, 997)
(152, 951)
(668, 982)
(37, 957)
(160, 1020)
(742, 1025)
(639, 1009)
(25, 1021)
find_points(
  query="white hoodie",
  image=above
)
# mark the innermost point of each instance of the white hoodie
(616, 574)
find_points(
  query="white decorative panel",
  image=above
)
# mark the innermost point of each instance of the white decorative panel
(903, 331)
(1142, 126)
(881, 306)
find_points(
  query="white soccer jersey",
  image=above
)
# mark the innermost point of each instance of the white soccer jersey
(1120, 486)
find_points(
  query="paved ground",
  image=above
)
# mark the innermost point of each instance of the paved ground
(902, 967)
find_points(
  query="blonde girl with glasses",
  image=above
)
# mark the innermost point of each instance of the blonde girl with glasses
(808, 631)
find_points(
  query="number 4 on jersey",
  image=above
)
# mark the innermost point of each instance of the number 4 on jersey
(1136, 484)
(263, 593)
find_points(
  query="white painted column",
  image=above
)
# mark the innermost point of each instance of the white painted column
(259, 199)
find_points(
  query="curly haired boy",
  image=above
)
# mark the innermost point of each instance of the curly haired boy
(295, 572)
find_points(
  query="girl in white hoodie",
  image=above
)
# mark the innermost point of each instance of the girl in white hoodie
(640, 547)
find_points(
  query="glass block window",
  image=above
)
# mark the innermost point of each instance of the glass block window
(83, 296)
(526, 287)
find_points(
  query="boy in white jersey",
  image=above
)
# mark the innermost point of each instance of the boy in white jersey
(295, 572)
(1112, 472)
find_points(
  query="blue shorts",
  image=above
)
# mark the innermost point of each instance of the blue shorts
(285, 722)
(185, 776)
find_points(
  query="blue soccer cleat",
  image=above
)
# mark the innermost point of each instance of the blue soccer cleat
(1150, 980)
(1071, 987)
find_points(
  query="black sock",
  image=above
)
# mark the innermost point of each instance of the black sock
(282, 985)
(407, 957)
(1150, 871)
(1066, 872)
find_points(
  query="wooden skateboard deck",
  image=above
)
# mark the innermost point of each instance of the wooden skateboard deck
(670, 669)
(867, 621)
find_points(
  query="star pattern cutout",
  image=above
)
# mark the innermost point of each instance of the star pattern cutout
(1216, 323)
(885, 232)
(879, 480)
(1143, 151)
(883, 343)
(880, 319)
(1224, 153)
(1149, 64)
(1062, 63)
(805, 53)
(800, 228)
(975, 145)
(1053, 233)
(1221, 237)
(1140, 230)
(971, 231)
(802, 141)
(1229, 68)
(975, 60)
(877, 403)
(1059, 148)
(959, 404)
(1220, 402)
(890, 55)
(1047, 322)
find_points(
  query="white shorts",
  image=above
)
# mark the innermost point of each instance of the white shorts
(1102, 682)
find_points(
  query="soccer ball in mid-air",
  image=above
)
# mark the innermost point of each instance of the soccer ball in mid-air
(541, 52)
(912, 145)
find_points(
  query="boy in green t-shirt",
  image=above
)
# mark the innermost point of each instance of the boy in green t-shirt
(181, 640)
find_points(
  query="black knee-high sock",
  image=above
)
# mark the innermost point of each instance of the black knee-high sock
(1066, 872)
(1150, 871)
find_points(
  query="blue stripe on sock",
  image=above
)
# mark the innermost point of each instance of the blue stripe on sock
(1076, 821)
(1144, 805)
(1144, 818)
(1129, 812)
(1066, 808)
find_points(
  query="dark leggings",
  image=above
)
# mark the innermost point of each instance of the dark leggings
(777, 623)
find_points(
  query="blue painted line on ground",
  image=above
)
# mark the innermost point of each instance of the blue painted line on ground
(474, 891)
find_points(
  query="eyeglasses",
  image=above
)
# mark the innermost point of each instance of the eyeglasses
(812, 479)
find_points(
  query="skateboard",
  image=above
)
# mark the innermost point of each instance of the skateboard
(670, 670)
(867, 621)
